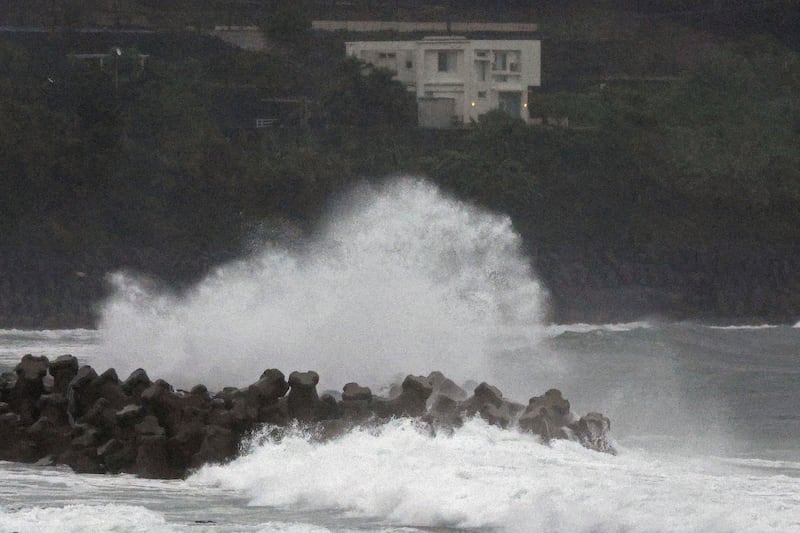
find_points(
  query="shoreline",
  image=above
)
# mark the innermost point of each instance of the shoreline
(59, 413)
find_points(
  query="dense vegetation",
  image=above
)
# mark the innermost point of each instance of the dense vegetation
(680, 171)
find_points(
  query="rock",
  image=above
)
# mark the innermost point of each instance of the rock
(435, 378)
(87, 438)
(185, 444)
(152, 460)
(484, 394)
(63, 370)
(101, 415)
(201, 391)
(54, 407)
(592, 432)
(356, 404)
(219, 445)
(149, 426)
(328, 408)
(410, 402)
(447, 387)
(270, 386)
(48, 438)
(32, 368)
(118, 456)
(547, 416)
(417, 386)
(303, 401)
(136, 383)
(83, 460)
(79, 393)
(129, 414)
(354, 392)
(8, 381)
(107, 386)
(444, 413)
(555, 407)
(496, 416)
(28, 387)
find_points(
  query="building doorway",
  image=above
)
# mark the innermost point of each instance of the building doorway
(510, 102)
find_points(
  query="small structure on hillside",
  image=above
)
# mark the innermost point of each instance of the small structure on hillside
(457, 79)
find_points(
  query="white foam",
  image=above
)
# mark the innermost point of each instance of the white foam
(483, 477)
(579, 327)
(401, 280)
(81, 518)
(745, 327)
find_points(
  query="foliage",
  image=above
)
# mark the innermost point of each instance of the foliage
(366, 96)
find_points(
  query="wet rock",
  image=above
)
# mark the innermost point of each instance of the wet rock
(136, 383)
(54, 407)
(108, 386)
(552, 405)
(79, 393)
(484, 394)
(185, 444)
(28, 387)
(219, 445)
(435, 378)
(200, 391)
(8, 381)
(444, 413)
(592, 432)
(83, 460)
(270, 386)
(447, 387)
(411, 402)
(63, 369)
(149, 426)
(547, 416)
(118, 456)
(152, 460)
(356, 404)
(354, 392)
(101, 415)
(303, 401)
(496, 416)
(128, 414)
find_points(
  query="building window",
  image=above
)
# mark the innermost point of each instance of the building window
(447, 60)
(481, 66)
(409, 64)
(481, 94)
(500, 61)
(442, 62)
(391, 55)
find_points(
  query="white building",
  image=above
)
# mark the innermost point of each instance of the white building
(457, 79)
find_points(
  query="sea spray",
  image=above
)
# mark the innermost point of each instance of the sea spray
(400, 279)
(486, 478)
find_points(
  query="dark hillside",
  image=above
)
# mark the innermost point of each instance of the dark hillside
(674, 189)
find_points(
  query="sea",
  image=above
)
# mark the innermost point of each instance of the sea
(402, 279)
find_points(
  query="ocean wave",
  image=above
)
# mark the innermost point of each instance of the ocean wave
(82, 518)
(745, 327)
(580, 327)
(484, 477)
